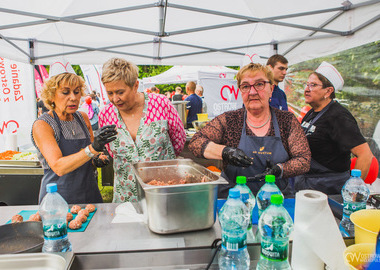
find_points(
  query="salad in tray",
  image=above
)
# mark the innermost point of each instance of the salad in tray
(15, 155)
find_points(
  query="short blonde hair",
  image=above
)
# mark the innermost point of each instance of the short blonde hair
(118, 69)
(57, 81)
(254, 68)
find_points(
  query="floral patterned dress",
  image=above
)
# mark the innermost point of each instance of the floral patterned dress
(152, 143)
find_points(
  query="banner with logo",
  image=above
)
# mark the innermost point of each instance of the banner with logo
(18, 108)
(220, 95)
(93, 77)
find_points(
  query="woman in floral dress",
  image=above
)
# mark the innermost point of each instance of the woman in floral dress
(149, 127)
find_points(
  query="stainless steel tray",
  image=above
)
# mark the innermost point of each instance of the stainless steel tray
(173, 169)
(42, 261)
(177, 208)
(20, 163)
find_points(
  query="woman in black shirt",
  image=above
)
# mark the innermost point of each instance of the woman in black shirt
(332, 133)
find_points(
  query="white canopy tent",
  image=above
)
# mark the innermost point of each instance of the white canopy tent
(183, 74)
(179, 32)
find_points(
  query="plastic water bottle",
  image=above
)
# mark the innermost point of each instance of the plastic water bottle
(355, 194)
(265, 193)
(233, 218)
(275, 226)
(249, 200)
(53, 210)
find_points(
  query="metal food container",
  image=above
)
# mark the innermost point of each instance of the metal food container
(182, 207)
(180, 106)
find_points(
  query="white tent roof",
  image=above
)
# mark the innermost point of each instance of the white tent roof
(183, 74)
(172, 32)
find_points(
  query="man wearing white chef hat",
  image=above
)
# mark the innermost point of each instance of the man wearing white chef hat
(332, 133)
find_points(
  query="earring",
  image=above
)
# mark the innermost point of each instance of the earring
(53, 105)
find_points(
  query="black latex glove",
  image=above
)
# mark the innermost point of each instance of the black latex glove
(270, 169)
(236, 157)
(275, 170)
(100, 163)
(103, 136)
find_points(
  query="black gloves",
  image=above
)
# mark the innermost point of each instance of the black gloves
(236, 157)
(103, 136)
(275, 170)
(101, 162)
(271, 169)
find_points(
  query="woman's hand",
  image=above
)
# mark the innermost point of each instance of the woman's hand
(101, 161)
(104, 135)
(271, 169)
(236, 157)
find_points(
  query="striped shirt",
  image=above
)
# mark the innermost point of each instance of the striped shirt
(71, 130)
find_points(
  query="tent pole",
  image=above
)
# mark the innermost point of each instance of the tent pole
(274, 47)
(32, 62)
(162, 8)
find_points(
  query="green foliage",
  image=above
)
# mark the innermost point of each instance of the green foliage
(106, 192)
(151, 70)
(359, 66)
(170, 87)
(78, 70)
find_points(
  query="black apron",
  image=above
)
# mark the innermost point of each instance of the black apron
(261, 149)
(319, 177)
(78, 186)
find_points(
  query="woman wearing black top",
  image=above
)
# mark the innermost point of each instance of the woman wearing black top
(332, 133)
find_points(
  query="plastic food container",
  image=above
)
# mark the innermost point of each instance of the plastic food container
(182, 207)
(358, 254)
(367, 225)
(202, 117)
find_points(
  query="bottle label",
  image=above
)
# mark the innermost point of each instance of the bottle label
(234, 243)
(349, 208)
(274, 250)
(55, 231)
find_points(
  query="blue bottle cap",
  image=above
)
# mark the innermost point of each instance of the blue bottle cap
(234, 193)
(356, 173)
(51, 188)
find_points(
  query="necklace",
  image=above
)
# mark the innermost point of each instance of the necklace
(72, 127)
(260, 125)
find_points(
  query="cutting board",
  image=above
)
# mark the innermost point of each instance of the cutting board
(27, 213)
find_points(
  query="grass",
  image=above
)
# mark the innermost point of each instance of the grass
(105, 191)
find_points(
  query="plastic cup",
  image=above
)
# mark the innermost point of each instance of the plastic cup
(202, 116)
(367, 225)
(358, 254)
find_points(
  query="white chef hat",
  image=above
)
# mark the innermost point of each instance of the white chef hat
(60, 67)
(332, 74)
(250, 57)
